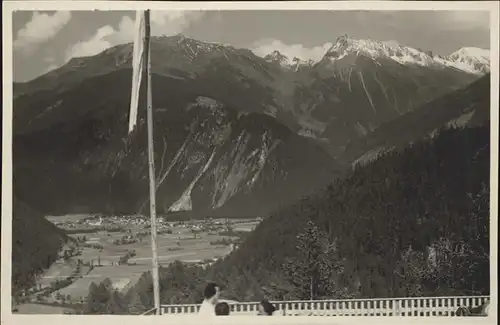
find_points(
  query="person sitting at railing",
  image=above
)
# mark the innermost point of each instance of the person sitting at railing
(481, 310)
(211, 295)
(222, 309)
(266, 308)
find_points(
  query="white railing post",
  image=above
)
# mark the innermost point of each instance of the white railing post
(422, 306)
(283, 307)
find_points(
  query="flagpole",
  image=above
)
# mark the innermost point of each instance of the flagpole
(152, 175)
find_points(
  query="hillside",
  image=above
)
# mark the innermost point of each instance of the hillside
(413, 223)
(75, 156)
(35, 245)
(358, 84)
(387, 209)
(465, 107)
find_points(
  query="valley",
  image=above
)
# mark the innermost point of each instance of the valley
(119, 249)
(362, 174)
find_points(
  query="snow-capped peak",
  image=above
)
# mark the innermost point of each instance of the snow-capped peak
(468, 59)
(472, 52)
(193, 45)
(471, 59)
(378, 49)
(277, 57)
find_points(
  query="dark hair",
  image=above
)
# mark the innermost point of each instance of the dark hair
(210, 290)
(268, 307)
(222, 309)
(462, 311)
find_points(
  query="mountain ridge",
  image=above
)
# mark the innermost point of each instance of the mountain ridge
(206, 151)
(66, 118)
(345, 43)
(468, 59)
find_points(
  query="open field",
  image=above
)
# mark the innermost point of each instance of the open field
(41, 309)
(56, 271)
(120, 276)
(181, 245)
(245, 226)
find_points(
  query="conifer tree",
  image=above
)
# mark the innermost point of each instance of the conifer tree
(93, 305)
(135, 304)
(312, 270)
(115, 304)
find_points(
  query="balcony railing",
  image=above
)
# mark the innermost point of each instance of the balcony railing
(422, 306)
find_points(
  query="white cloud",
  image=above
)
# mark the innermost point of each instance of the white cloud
(264, 47)
(50, 68)
(41, 28)
(92, 46)
(162, 23)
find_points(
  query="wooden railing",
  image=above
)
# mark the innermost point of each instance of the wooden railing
(422, 306)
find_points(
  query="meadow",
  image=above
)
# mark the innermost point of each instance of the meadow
(40, 309)
(180, 245)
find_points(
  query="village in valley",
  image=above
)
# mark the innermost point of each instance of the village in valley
(118, 248)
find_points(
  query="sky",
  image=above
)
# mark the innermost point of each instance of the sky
(46, 40)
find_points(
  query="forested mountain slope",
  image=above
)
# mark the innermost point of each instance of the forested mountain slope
(35, 245)
(469, 106)
(415, 222)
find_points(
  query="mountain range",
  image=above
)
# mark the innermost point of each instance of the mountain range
(239, 135)
(235, 133)
(468, 59)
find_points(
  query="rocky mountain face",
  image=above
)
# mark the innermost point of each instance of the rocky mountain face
(359, 85)
(294, 65)
(72, 153)
(234, 133)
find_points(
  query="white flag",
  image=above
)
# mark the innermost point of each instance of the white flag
(137, 66)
